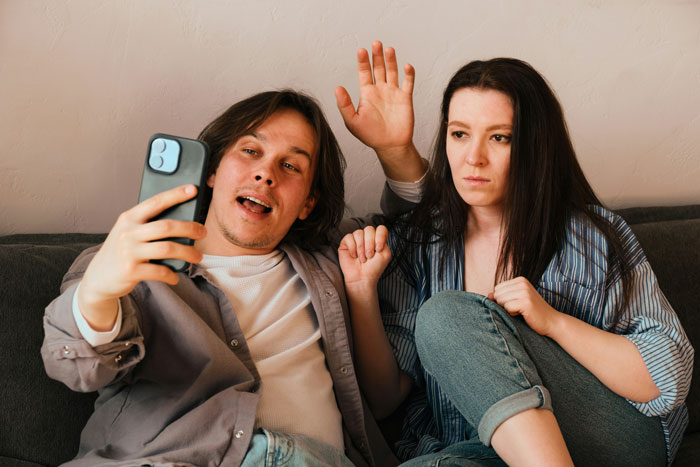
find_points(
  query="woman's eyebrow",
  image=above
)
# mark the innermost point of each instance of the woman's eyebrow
(497, 126)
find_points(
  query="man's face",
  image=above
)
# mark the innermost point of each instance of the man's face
(262, 185)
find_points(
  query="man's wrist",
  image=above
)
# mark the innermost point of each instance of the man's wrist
(100, 314)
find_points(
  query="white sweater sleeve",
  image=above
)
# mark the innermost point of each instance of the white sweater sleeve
(410, 191)
(94, 338)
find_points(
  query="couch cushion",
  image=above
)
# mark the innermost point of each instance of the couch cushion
(41, 419)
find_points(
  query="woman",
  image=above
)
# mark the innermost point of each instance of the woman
(518, 313)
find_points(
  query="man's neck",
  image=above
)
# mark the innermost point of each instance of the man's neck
(215, 243)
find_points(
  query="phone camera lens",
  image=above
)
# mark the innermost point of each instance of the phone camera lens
(158, 145)
(156, 161)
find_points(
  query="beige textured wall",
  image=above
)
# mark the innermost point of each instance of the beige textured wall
(84, 83)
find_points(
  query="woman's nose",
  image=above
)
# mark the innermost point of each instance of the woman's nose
(476, 155)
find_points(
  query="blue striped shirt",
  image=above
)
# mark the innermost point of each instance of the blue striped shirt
(577, 282)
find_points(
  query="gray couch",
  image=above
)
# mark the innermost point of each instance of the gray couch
(41, 419)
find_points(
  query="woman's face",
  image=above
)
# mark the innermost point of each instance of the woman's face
(479, 132)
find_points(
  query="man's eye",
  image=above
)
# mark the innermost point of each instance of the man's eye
(289, 166)
(252, 152)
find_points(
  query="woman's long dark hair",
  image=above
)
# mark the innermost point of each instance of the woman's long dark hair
(546, 185)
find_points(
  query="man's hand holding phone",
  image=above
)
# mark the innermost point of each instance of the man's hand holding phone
(124, 259)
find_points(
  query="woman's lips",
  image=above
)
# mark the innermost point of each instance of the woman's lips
(477, 181)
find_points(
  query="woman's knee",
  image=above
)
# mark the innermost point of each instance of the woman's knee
(448, 317)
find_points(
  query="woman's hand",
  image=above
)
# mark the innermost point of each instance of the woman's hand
(612, 358)
(363, 256)
(384, 116)
(519, 297)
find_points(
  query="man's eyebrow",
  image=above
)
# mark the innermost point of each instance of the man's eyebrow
(293, 149)
(303, 152)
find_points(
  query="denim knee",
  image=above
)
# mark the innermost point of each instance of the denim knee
(470, 345)
(442, 311)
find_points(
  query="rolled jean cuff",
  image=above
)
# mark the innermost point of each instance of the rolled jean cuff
(537, 397)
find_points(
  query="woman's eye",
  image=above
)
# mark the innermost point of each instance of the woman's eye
(459, 134)
(502, 138)
(289, 166)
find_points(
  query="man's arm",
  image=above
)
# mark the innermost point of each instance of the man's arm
(100, 280)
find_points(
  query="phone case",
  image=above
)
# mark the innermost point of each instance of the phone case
(173, 161)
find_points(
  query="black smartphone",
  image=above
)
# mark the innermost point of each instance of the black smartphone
(173, 161)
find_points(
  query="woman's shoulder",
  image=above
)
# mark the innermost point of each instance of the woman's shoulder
(586, 237)
(586, 251)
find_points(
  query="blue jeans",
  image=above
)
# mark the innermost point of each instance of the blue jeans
(492, 366)
(272, 449)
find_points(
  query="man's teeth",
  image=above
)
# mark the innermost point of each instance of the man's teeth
(256, 200)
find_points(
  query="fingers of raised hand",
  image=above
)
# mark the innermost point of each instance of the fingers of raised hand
(369, 233)
(379, 69)
(359, 236)
(364, 69)
(345, 105)
(380, 238)
(409, 79)
(392, 70)
(348, 244)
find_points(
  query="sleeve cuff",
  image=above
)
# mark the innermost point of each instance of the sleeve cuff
(410, 191)
(95, 338)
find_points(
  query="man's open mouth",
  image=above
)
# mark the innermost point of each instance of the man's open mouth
(254, 205)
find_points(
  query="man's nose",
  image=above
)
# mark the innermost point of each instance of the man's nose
(265, 173)
(266, 179)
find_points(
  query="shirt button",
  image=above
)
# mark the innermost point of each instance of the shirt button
(329, 293)
(66, 350)
(239, 434)
(234, 342)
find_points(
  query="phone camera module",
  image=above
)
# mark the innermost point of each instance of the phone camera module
(164, 155)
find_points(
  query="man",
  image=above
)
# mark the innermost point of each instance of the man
(244, 356)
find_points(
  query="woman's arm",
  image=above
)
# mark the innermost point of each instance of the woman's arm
(363, 257)
(651, 362)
